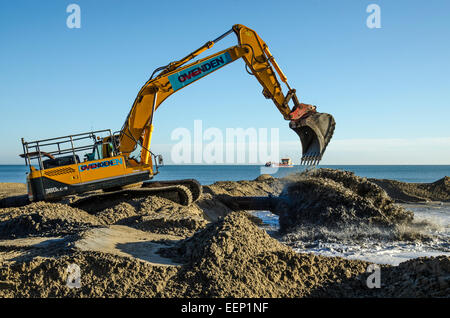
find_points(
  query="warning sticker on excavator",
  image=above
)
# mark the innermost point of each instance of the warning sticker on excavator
(193, 73)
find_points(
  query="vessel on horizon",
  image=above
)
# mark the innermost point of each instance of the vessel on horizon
(284, 163)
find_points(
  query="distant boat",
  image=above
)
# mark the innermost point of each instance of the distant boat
(284, 163)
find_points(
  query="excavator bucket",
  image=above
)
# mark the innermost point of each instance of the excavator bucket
(315, 132)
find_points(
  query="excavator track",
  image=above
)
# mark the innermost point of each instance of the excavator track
(193, 185)
(183, 192)
(176, 193)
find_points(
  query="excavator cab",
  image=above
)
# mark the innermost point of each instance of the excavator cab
(102, 149)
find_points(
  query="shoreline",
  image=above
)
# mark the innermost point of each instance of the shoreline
(401, 192)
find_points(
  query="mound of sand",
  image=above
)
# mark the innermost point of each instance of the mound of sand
(416, 192)
(102, 275)
(154, 214)
(44, 219)
(327, 197)
(420, 277)
(234, 258)
(229, 258)
(261, 186)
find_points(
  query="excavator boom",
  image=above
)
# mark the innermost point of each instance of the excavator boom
(314, 129)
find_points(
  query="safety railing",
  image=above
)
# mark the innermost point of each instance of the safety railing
(65, 145)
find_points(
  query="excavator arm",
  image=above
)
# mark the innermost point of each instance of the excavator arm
(314, 129)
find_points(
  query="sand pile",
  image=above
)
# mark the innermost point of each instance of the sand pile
(261, 186)
(420, 277)
(229, 258)
(327, 197)
(102, 275)
(44, 219)
(416, 192)
(152, 213)
(234, 258)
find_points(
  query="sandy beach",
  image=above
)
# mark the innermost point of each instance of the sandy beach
(153, 247)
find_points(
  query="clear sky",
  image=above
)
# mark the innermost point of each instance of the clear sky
(388, 88)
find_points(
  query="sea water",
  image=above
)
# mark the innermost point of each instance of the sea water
(208, 174)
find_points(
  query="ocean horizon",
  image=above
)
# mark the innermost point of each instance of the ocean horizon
(208, 174)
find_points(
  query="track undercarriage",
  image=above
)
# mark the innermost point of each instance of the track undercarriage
(183, 192)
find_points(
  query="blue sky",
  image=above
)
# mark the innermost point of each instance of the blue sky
(388, 88)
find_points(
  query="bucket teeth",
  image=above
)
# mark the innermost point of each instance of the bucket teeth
(310, 159)
(315, 132)
(304, 160)
(316, 159)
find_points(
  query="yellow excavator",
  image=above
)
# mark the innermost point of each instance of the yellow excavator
(114, 161)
